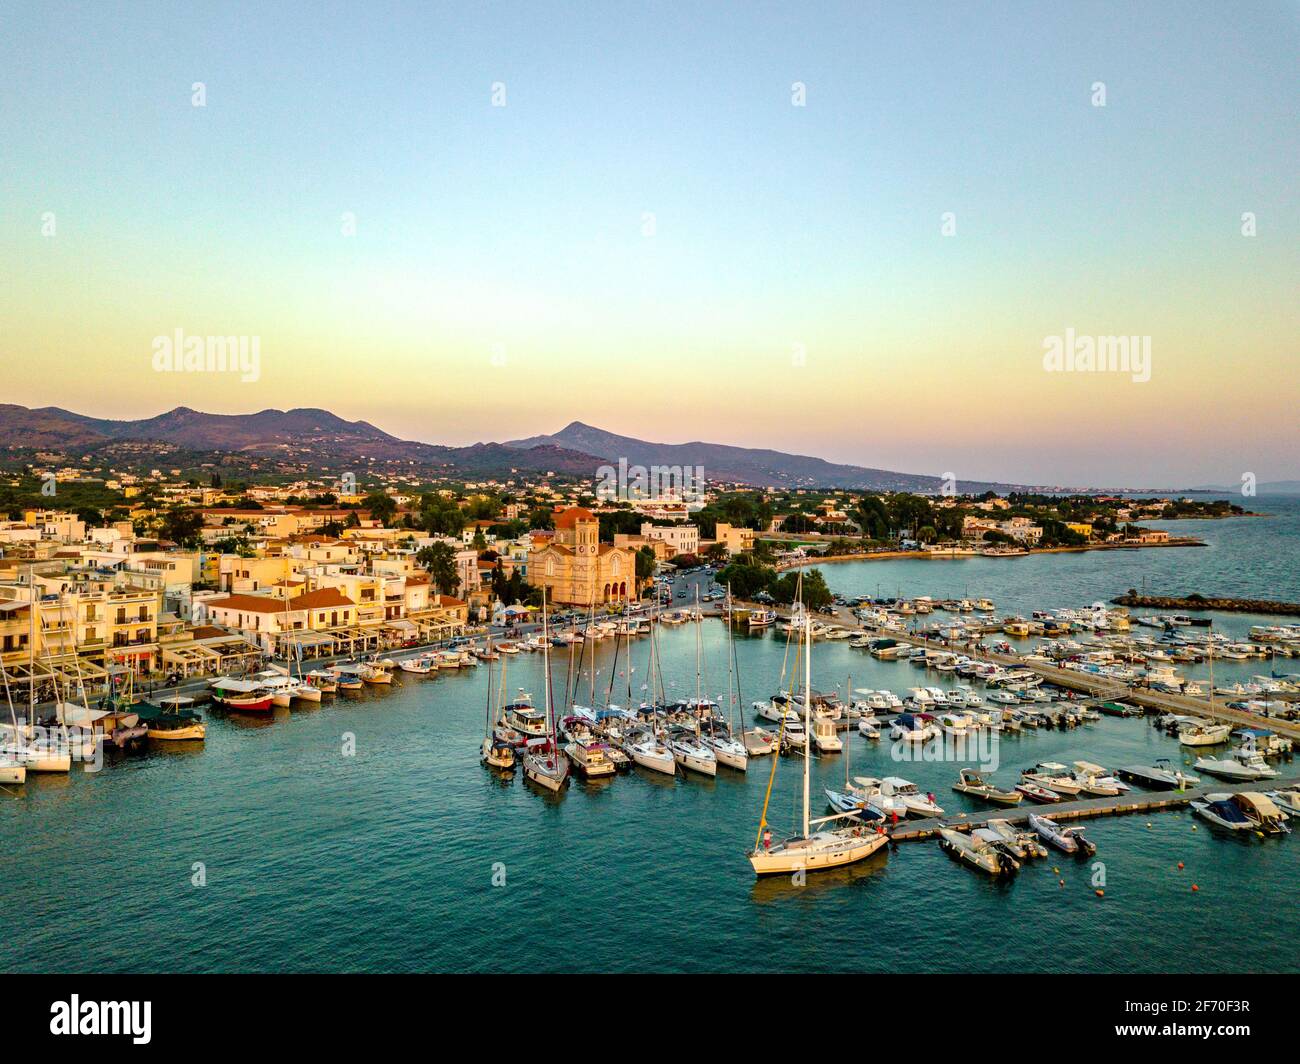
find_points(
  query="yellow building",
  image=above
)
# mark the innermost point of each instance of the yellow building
(1084, 530)
(577, 569)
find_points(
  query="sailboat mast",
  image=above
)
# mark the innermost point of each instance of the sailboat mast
(698, 625)
(807, 715)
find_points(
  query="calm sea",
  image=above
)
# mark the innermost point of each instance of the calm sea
(409, 856)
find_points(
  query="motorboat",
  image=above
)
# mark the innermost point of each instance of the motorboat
(970, 781)
(1204, 734)
(979, 853)
(524, 718)
(376, 673)
(952, 723)
(824, 736)
(758, 741)
(1067, 840)
(1019, 844)
(589, 759)
(419, 666)
(1242, 764)
(1161, 776)
(1286, 800)
(1263, 812)
(1054, 776)
(917, 803)
(914, 728)
(1094, 779)
(1222, 811)
(879, 796)
(1038, 794)
(868, 730)
(856, 804)
(778, 709)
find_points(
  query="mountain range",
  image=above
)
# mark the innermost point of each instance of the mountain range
(318, 437)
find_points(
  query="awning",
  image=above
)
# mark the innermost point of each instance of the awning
(402, 625)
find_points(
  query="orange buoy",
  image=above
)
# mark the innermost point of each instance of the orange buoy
(1180, 866)
(1101, 893)
(1195, 887)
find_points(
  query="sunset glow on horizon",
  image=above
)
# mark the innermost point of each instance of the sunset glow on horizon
(650, 236)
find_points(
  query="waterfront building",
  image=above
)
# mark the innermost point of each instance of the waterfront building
(575, 568)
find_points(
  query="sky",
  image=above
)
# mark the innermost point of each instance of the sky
(660, 234)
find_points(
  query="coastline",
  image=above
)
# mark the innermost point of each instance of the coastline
(800, 563)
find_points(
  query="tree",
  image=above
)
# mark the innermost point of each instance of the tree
(440, 562)
(645, 564)
(181, 526)
(382, 508)
(746, 577)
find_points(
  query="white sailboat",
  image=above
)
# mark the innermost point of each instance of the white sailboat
(543, 762)
(809, 851)
(726, 748)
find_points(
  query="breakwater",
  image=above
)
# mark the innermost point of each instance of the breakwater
(1202, 602)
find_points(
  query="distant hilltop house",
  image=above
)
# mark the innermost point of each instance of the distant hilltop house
(575, 568)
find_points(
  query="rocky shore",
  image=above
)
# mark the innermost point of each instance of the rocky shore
(1201, 602)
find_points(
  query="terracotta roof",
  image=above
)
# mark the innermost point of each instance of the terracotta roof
(447, 602)
(572, 516)
(324, 597)
(418, 578)
(252, 604)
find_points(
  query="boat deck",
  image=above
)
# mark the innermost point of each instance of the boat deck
(1147, 802)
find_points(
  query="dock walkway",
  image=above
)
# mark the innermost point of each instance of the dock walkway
(1147, 802)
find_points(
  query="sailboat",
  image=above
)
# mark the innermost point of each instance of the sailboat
(543, 762)
(727, 750)
(808, 851)
(495, 752)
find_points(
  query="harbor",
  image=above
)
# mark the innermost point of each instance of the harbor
(361, 792)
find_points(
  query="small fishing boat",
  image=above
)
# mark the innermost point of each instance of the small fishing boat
(172, 720)
(824, 736)
(970, 781)
(376, 673)
(419, 666)
(325, 682)
(348, 677)
(244, 696)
